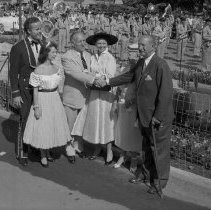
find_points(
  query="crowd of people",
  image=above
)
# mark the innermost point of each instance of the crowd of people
(187, 27)
(69, 91)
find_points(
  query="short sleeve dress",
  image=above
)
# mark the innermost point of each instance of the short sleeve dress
(51, 129)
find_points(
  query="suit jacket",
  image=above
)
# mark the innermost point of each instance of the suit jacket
(154, 90)
(76, 80)
(22, 64)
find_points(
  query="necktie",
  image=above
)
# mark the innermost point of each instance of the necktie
(36, 45)
(142, 72)
(83, 61)
(144, 67)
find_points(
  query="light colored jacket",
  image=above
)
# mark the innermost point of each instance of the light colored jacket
(76, 79)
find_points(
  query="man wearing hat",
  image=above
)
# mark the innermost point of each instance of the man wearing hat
(206, 48)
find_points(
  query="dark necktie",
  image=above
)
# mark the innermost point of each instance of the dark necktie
(36, 45)
(83, 61)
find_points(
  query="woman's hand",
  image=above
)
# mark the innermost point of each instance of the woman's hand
(114, 110)
(37, 113)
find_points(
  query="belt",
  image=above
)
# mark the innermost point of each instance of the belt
(47, 90)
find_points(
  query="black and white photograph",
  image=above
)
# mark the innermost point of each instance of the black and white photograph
(105, 104)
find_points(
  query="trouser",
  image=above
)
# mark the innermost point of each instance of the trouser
(197, 44)
(21, 148)
(62, 40)
(72, 114)
(206, 58)
(181, 47)
(161, 167)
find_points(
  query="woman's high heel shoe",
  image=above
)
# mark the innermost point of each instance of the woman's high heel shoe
(119, 162)
(50, 159)
(44, 163)
(107, 163)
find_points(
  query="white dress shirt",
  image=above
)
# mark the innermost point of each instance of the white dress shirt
(36, 54)
(147, 60)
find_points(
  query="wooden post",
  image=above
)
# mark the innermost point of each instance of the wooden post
(20, 20)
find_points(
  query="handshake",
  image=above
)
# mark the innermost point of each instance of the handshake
(100, 81)
(100, 84)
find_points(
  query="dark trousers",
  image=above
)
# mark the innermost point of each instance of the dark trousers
(162, 141)
(27, 96)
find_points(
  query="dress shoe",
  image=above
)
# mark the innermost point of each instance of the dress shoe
(23, 161)
(71, 159)
(44, 163)
(81, 155)
(93, 157)
(50, 159)
(107, 163)
(155, 189)
(138, 178)
(116, 165)
(119, 162)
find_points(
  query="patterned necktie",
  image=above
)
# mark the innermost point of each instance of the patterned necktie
(83, 61)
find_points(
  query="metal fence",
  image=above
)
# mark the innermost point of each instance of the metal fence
(191, 139)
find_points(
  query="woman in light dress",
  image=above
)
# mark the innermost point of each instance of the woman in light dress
(128, 137)
(47, 127)
(95, 122)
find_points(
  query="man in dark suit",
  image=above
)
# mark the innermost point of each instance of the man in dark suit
(23, 61)
(154, 111)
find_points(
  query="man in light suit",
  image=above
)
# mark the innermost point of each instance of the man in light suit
(76, 64)
(154, 112)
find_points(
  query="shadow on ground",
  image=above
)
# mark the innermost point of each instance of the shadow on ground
(91, 178)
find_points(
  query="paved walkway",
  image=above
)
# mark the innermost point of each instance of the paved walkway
(87, 185)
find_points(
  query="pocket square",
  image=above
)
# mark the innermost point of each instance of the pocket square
(148, 78)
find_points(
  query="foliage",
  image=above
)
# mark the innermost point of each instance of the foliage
(192, 146)
(194, 75)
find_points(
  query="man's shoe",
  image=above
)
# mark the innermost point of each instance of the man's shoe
(136, 180)
(93, 157)
(71, 159)
(23, 161)
(108, 163)
(81, 155)
(155, 189)
(139, 178)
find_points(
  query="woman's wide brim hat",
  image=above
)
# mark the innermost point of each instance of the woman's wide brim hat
(110, 39)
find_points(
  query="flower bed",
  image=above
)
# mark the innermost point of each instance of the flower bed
(191, 148)
(193, 74)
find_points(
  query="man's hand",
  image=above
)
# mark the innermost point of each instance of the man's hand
(99, 82)
(17, 101)
(156, 123)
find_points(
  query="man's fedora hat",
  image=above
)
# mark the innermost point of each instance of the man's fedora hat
(91, 40)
